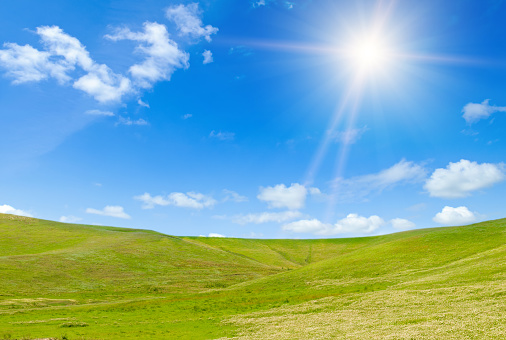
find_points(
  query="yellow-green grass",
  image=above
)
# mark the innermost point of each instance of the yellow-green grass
(91, 282)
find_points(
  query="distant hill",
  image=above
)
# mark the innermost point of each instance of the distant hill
(90, 282)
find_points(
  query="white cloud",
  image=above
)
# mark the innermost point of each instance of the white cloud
(454, 216)
(361, 186)
(100, 82)
(188, 115)
(222, 135)
(208, 57)
(402, 224)
(314, 191)
(111, 211)
(128, 121)
(27, 64)
(70, 219)
(99, 113)
(7, 209)
(350, 136)
(258, 3)
(63, 53)
(143, 104)
(163, 56)
(461, 178)
(289, 4)
(188, 22)
(266, 217)
(103, 86)
(280, 196)
(233, 196)
(352, 223)
(215, 235)
(473, 112)
(192, 200)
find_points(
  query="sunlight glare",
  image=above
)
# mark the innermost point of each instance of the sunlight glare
(369, 53)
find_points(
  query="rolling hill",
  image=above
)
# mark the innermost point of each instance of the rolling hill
(72, 281)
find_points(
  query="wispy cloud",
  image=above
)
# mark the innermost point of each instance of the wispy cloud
(99, 113)
(474, 112)
(265, 217)
(402, 224)
(143, 104)
(359, 187)
(258, 3)
(222, 135)
(193, 200)
(111, 211)
(233, 196)
(187, 116)
(350, 136)
(240, 50)
(70, 219)
(128, 121)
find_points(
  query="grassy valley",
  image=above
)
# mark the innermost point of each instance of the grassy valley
(88, 282)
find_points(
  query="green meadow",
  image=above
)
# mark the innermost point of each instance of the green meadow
(69, 281)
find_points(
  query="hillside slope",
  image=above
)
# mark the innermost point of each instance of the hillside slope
(90, 282)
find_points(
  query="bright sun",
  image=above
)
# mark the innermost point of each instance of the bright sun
(369, 54)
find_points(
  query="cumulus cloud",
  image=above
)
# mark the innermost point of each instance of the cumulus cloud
(402, 224)
(188, 21)
(111, 211)
(361, 186)
(99, 82)
(70, 219)
(265, 217)
(193, 200)
(461, 178)
(215, 235)
(99, 113)
(454, 216)
(352, 223)
(280, 196)
(233, 196)
(473, 112)
(208, 57)
(26, 64)
(7, 209)
(162, 54)
(222, 135)
(62, 54)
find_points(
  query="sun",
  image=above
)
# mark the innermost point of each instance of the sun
(369, 53)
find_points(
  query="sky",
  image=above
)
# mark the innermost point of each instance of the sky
(257, 119)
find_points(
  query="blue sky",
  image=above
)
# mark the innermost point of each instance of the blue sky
(274, 119)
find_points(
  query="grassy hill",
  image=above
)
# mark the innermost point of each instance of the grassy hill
(89, 282)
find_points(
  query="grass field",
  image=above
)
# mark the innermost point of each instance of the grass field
(69, 281)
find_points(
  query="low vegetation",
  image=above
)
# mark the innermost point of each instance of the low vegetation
(66, 281)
